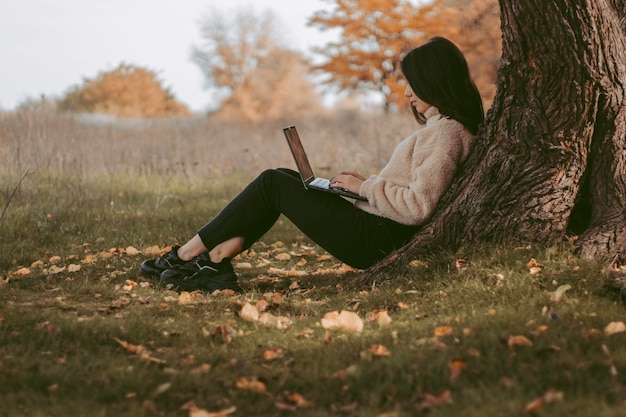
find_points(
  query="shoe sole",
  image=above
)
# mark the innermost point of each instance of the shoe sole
(227, 281)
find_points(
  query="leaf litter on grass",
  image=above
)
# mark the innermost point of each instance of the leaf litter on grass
(275, 309)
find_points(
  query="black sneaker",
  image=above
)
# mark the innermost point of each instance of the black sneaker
(201, 274)
(152, 268)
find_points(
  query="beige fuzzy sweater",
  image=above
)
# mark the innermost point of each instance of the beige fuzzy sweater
(408, 188)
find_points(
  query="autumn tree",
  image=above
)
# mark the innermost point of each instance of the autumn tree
(477, 32)
(550, 161)
(242, 56)
(373, 36)
(126, 91)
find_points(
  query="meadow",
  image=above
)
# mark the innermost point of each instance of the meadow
(491, 330)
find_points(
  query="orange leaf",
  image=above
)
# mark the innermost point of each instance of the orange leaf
(379, 316)
(22, 271)
(344, 320)
(273, 353)
(443, 331)
(519, 341)
(379, 350)
(291, 401)
(614, 327)
(431, 400)
(249, 312)
(251, 384)
(456, 366)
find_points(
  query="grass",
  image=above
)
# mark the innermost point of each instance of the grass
(60, 333)
(81, 334)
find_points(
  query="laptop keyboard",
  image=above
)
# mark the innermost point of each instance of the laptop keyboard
(320, 182)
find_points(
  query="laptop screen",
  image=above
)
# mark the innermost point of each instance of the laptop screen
(293, 139)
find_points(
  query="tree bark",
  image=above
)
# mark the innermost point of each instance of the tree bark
(550, 160)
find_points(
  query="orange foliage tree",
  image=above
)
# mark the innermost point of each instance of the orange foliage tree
(375, 34)
(126, 91)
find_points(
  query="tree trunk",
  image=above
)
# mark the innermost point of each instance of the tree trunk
(550, 160)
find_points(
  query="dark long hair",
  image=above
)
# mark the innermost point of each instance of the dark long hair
(438, 74)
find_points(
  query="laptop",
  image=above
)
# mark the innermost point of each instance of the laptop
(306, 172)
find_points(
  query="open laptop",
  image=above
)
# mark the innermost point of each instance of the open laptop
(306, 172)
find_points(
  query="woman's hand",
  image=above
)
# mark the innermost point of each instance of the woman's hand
(350, 181)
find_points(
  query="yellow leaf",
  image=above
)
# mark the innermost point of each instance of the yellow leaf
(344, 320)
(614, 327)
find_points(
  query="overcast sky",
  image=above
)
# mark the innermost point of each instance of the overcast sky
(47, 46)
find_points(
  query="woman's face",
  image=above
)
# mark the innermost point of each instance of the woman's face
(420, 105)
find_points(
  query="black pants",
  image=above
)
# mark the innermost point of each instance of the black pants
(353, 236)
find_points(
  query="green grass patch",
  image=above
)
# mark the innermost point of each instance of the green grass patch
(81, 334)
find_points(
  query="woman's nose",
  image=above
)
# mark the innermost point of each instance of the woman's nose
(408, 92)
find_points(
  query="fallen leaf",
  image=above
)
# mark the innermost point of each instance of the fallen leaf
(345, 320)
(461, 264)
(131, 251)
(456, 366)
(379, 350)
(184, 297)
(22, 271)
(379, 316)
(443, 331)
(249, 312)
(54, 259)
(291, 401)
(250, 384)
(273, 353)
(194, 411)
(226, 332)
(519, 341)
(560, 292)
(431, 400)
(548, 397)
(533, 264)
(614, 327)
(282, 256)
(323, 258)
(262, 305)
(138, 350)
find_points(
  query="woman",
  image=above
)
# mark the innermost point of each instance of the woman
(448, 108)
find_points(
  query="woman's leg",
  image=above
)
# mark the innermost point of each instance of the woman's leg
(350, 234)
(195, 247)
